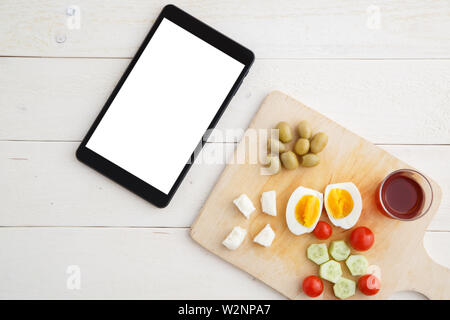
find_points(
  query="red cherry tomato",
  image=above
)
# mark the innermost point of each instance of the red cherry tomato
(369, 284)
(362, 239)
(312, 286)
(322, 230)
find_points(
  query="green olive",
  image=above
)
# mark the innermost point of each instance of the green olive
(275, 146)
(301, 146)
(289, 160)
(310, 160)
(318, 142)
(304, 129)
(285, 132)
(273, 166)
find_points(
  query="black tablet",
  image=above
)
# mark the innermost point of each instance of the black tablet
(176, 88)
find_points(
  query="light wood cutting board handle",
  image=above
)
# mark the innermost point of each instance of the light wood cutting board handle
(430, 278)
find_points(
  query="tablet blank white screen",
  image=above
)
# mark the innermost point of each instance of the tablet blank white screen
(165, 106)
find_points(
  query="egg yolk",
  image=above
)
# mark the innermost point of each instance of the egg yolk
(340, 203)
(307, 210)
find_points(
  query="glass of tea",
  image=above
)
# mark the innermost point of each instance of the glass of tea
(405, 194)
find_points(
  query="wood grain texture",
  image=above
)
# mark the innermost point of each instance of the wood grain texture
(277, 29)
(46, 186)
(347, 157)
(114, 264)
(433, 280)
(133, 263)
(402, 102)
(398, 101)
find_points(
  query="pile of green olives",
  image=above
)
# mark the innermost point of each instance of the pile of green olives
(306, 147)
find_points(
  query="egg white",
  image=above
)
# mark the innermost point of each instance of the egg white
(294, 226)
(351, 219)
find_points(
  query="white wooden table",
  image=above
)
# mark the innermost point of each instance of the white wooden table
(380, 68)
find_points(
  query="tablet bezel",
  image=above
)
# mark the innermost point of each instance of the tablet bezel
(125, 178)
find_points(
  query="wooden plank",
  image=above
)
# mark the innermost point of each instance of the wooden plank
(277, 29)
(42, 184)
(347, 157)
(58, 99)
(122, 263)
(53, 99)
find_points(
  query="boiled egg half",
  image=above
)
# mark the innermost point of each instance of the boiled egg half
(303, 210)
(343, 204)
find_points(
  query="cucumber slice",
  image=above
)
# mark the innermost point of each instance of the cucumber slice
(330, 271)
(344, 288)
(318, 253)
(357, 264)
(339, 250)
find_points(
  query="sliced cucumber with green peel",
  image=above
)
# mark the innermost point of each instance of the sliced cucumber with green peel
(339, 250)
(344, 288)
(318, 253)
(357, 264)
(330, 271)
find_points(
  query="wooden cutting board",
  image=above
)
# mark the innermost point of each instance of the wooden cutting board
(398, 249)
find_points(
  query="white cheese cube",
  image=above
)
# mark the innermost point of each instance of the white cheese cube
(245, 205)
(235, 238)
(265, 236)
(269, 202)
